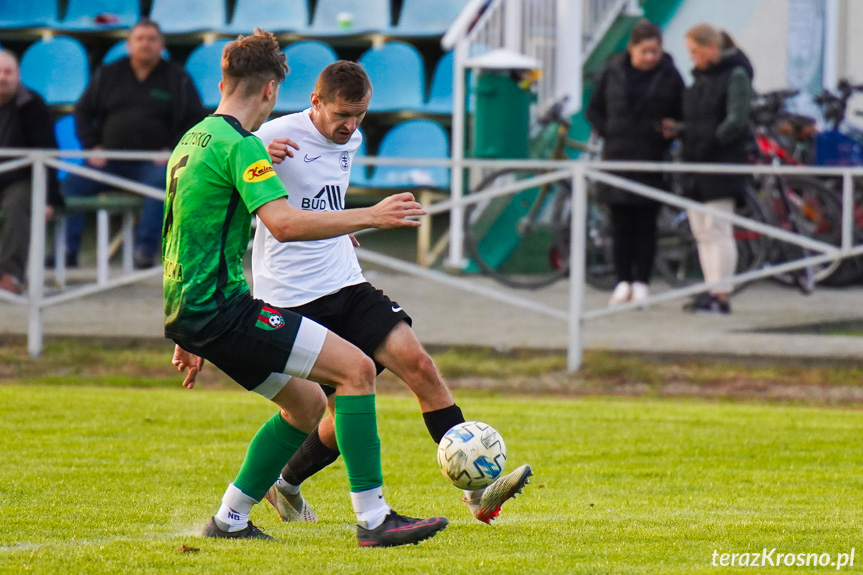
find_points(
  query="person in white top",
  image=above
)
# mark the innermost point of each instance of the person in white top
(312, 152)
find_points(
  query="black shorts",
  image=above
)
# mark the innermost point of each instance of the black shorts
(360, 314)
(257, 342)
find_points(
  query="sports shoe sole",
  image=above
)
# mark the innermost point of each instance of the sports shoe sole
(288, 512)
(421, 531)
(503, 489)
(250, 532)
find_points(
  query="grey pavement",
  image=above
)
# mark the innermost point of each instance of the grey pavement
(768, 321)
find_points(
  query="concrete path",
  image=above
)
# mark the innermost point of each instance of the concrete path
(445, 316)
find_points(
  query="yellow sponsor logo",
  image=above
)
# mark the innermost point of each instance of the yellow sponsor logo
(258, 172)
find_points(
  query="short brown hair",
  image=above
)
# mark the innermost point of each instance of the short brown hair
(251, 62)
(147, 23)
(643, 30)
(705, 35)
(345, 79)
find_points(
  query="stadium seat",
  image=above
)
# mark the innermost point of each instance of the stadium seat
(440, 93)
(121, 50)
(359, 174)
(190, 16)
(425, 18)
(272, 15)
(28, 13)
(413, 139)
(67, 139)
(306, 60)
(397, 73)
(56, 68)
(204, 67)
(346, 17)
(100, 14)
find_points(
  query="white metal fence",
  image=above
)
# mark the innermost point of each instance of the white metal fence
(38, 297)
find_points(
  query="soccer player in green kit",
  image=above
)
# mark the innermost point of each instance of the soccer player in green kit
(218, 176)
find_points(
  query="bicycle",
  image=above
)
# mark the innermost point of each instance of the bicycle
(537, 224)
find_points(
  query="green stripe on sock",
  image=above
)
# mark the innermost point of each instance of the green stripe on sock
(268, 452)
(357, 436)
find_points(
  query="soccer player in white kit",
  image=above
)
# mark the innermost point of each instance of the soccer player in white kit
(322, 280)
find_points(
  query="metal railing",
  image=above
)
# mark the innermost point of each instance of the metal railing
(577, 171)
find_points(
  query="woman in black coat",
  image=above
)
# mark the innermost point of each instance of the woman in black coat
(634, 93)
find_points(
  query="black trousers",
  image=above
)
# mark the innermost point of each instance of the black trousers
(634, 233)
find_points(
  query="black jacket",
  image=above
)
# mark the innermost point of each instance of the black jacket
(25, 122)
(117, 111)
(716, 127)
(626, 108)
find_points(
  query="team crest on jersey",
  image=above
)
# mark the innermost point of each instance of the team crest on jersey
(345, 161)
(258, 172)
(269, 319)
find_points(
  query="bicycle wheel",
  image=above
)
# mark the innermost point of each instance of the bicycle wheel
(677, 253)
(511, 238)
(599, 270)
(806, 206)
(850, 270)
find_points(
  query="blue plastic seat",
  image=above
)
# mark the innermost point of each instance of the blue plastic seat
(306, 60)
(82, 14)
(57, 68)
(28, 13)
(359, 175)
(440, 93)
(204, 66)
(271, 15)
(346, 17)
(190, 16)
(428, 18)
(413, 139)
(397, 73)
(121, 50)
(67, 139)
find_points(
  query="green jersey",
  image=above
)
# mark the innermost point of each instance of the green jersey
(218, 175)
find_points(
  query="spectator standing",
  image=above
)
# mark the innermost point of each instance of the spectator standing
(635, 91)
(140, 102)
(716, 129)
(25, 122)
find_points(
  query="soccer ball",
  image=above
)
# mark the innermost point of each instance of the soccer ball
(471, 455)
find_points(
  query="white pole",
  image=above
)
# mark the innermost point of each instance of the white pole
(36, 265)
(512, 28)
(568, 55)
(830, 75)
(575, 351)
(459, 112)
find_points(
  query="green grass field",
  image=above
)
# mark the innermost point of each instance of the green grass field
(119, 480)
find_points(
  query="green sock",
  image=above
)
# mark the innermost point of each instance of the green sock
(357, 437)
(269, 451)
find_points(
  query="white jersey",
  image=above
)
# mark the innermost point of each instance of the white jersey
(288, 274)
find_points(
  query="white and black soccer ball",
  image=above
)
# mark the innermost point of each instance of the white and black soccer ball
(471, 455)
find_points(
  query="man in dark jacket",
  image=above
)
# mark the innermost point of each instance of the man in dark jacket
(634, 93)
(25, 122)
(716, 129)
(141, 102)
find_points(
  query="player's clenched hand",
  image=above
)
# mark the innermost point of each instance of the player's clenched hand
(280, 148)
(184, 359)
(392, 212)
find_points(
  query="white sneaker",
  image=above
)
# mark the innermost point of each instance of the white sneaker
(621, 294)
(291, 507)
(640, 292)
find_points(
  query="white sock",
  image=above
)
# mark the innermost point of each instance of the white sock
(287, 488)
(474, 495)
(370, 507)
(233, 515)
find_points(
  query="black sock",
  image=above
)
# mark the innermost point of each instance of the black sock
(440, 421)
(311, 457)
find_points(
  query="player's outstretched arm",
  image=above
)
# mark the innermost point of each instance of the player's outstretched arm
(183, 359)
(289, 225)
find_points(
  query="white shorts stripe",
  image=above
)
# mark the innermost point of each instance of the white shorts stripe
(272, 385)
(307, 346)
